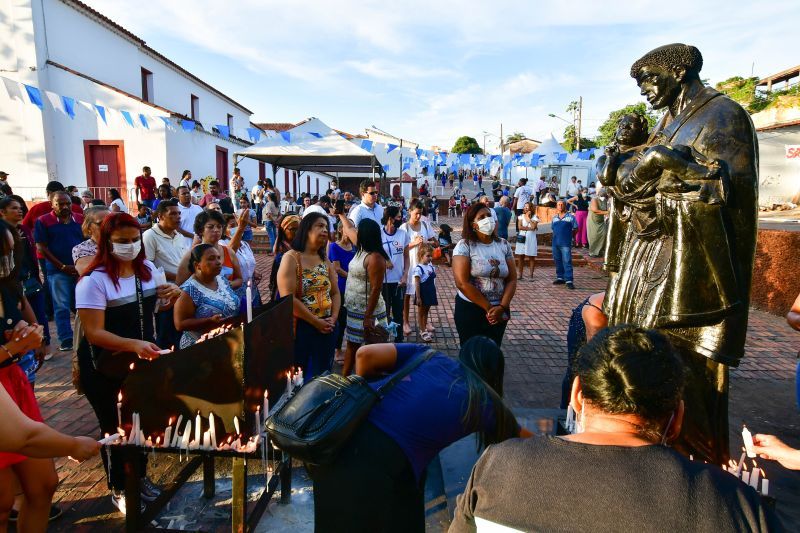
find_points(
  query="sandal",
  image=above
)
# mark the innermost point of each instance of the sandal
(427, 337)
(429, 328)
(406, 330)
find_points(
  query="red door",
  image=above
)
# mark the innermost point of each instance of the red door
(285, 181)
(222, 168)
(105, 167)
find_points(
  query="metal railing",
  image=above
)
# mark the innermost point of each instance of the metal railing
(38, 194)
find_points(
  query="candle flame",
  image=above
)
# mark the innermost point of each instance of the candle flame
(119, 396)
(755, 465)
(170, 421)
(266, 394)
(158, 441)
(763, 474)
(107, 435)
(131, 366)
(230, 439)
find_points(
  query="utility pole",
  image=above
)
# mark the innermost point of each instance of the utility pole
(501, 140)
(580, 115)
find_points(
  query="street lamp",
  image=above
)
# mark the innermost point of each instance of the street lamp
(551, 115)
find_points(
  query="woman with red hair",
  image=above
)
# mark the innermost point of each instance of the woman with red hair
(116, 301)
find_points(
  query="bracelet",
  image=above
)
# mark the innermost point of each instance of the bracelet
(10, 355)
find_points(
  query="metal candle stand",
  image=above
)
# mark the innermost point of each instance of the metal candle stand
(227, 375)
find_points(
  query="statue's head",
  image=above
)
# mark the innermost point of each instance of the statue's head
(661, 72)
(631, 130)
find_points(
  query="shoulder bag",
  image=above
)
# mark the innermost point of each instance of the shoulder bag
(377, 334)
(319, 418)
(116, 365)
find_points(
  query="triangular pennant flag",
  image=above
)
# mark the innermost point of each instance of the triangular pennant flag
(287, 136)
(419, 152)
(55, 101)
(315, 134)
(143, 120)
(101, 112)
(254, 134)
(407, 164)
(562, 158)
(127, 116)
(188, 125)
(386, 168)
(225, 131)
(390, 148)
(69, 106)
(366, 144)
(13, 88)
(35, 96)
(165, 120)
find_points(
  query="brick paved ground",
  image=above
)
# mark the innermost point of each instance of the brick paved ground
(535, 348)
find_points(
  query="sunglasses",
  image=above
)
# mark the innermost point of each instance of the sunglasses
(373, 193)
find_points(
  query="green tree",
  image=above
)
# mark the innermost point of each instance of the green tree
(743, 91)
(609, 127)
(514, 137)
(466, 145)
(569, 143)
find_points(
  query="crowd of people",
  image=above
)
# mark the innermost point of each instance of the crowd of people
(354, 267)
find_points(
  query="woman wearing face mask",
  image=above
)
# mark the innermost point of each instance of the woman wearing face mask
(287, 229)
(207, 298)
(116, 300)
(485, 276)
(417, 231)
(627, 395)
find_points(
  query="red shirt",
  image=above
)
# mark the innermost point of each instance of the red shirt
(146, 186)
(42, 208)
(210, 198)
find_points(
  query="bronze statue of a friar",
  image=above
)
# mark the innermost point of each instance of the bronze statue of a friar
(682, 232)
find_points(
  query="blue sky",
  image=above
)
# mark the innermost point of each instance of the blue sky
(430, 71)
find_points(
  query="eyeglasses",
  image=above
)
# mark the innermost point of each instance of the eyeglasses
(373, 193)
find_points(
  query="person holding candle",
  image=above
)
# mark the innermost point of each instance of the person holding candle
(774, 449)
(206, 298)
(309, 277)
(116, 299)
(382, 466)
(617, 472)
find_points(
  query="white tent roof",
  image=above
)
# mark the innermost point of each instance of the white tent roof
(549, 147)
(313, 146)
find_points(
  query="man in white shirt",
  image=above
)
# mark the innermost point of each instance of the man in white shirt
(323, 206)
(189, 212)
(165, 246)
(573, 187)
(369, 208)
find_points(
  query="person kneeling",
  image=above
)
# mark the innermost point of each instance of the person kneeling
(616, 474)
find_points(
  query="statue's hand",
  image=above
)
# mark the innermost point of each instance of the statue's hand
(611, 150)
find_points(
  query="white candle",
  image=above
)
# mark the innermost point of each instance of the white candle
(249, 297)
(212, 430)
(266, 406)
(135, 429)
(765, 487)
(141, 439)
(187, 433)
(747, 437)
(258, 420)
(746, 477)
(176, 436)
(740, 465)
(288, 382)
(168, 437)
(754, 477)
(119, 409)
(197, 428)
(111, 439)
(302, 379)
(206, 441)
(236, 424)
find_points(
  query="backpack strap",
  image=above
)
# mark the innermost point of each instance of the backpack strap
(410, 367)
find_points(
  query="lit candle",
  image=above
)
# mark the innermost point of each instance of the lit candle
(119, 409)
(754, 476)
(176, 437)
(289, 382)
(257, 421)
(236, 424)
(302, 379)
(764, 485)
(135, 430)
(746, 477)
(249, 296)
(142, 440)
(111, 439)
(206, 441)
(197, 428)
(747, 437)
(187, 433)
(266, 405)
(212, 430)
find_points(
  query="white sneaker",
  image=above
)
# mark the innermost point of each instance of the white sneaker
(118, 500)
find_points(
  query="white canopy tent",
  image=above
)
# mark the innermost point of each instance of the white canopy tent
(312, 146)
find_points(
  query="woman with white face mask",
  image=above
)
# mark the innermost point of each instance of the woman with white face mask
(485, 276)
(116, 301)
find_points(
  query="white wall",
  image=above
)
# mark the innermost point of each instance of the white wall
(778, 177)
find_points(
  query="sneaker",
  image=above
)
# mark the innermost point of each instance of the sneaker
(570, 285)
(66, 346)
(559, 282)
(149, 490)
(118, 501)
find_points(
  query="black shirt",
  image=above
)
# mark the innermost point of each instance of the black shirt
(549, 484)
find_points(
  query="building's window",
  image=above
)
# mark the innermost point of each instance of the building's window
(195, 108)
(230, 124)
(147, 85)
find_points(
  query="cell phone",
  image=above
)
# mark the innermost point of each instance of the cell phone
(338, 207)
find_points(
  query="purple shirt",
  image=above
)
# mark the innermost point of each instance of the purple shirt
(337, 253)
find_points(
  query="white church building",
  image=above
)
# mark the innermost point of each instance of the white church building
(88, 103)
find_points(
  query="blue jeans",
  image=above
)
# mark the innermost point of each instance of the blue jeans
(62, 290)
(38, 305)
(562, 255)
(269, 225)
(148, 203)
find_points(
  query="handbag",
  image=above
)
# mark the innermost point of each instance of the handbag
(318, 419)
(520, 238)
(31, 285)
(116, 365)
